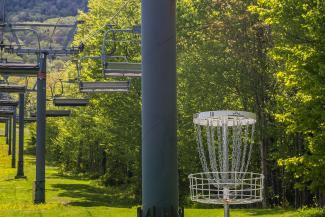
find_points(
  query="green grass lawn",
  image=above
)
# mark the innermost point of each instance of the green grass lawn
(74, 196)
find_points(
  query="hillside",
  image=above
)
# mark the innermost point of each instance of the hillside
(40, 10)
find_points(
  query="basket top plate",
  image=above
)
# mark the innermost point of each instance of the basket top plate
(224, 118)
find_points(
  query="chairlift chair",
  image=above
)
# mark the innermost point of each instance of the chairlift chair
(119, 68)
(61, 100)
(70, 102)
(8, 103)
(122, 69)
(12, 88)
(19, 69)
(3, 119)
(99, 86)
(102, 87)
(28, 120)
(10, 68)
(6, 113)
(55, 113)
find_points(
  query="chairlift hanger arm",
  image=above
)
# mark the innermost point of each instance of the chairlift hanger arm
(134, 30)
(71, 33)
(53, 88)
(8, 28)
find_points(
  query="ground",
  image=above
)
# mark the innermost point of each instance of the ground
(74, 196)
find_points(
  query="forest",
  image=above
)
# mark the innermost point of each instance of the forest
(38, 10)
(261, 56)
(266, 57)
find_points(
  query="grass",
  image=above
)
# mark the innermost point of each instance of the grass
(74, 196)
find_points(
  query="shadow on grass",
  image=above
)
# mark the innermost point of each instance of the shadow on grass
(259, 212)
(70, 177)
(90, 196)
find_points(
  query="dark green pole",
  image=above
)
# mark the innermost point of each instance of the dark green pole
(6, 130)
(9, 136)
(20, 170)
(159, 152)
(14, 130)
(39, 185)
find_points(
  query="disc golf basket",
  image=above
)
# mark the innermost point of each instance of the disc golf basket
(225, 142)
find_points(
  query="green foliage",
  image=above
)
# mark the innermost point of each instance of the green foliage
(261, 56)
(39, 10)
(298, 34)
(102, 140)
(69, 195)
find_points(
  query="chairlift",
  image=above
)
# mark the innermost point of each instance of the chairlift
(99, 86)
(3, 119)
(19, 69)
(10, 68)
(70, 102)
(8, 103)
(122, 69)
(102, 87)
(28, 120)
(54, 113)
(119, 68)
(12, 88)
(61, 100)
(6, 112)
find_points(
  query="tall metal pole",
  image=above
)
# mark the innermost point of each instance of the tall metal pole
(10, 132)
(20, 170)
(3, 14)
(6, 129)
(39, 185)
(14, 130)
(159, 152)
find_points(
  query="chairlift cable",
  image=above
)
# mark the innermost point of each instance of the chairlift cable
(112, 19)
(51, 37)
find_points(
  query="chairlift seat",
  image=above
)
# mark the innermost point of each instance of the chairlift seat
(6, 113)
(101, 87)
(19, 69)
(70, 102)
(8, 103)
(30, 119)
(12, 89)
(123, 69)
(4, 119)
(55, 113)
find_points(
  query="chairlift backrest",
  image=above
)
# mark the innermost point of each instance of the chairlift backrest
(70, 102)
(19, 69)
(55, 113)
(111, 65)
(12, 88)
(110, 86)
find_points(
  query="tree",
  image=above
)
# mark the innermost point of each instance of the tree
(298, 32)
